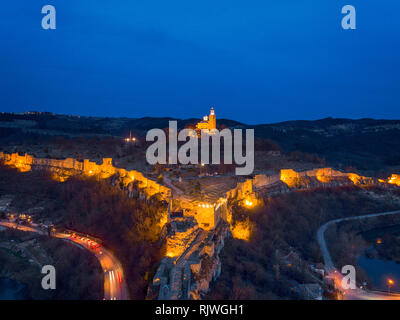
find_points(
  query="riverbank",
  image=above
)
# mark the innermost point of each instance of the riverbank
(381, 261)
(379, 271)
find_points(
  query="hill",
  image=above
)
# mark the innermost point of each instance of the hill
(368, 145)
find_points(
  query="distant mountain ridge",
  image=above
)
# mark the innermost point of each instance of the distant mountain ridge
(146, 123)
(363, 143)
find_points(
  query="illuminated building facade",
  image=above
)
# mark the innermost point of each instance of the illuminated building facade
(208, 122)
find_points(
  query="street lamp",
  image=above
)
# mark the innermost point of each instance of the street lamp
(130, 139)
(390, 284)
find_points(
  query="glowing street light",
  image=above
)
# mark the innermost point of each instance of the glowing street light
(390, 283)
(248, 203)
(130, 139)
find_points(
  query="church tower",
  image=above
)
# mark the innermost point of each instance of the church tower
(212, 121)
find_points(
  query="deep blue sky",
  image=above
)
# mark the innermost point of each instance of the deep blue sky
(256, 61)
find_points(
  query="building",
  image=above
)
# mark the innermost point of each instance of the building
(208, 122)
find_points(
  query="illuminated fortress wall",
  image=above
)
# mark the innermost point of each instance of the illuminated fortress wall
(62, 169)
(247, 192)
(262, 180)
(241, 190)
(22, 163)
(323, 175)
(394, 179)
(205, 216)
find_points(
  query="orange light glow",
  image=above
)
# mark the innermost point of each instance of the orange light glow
(241, 231)
(323, 176)
(394, 179)
(354, 177)
(174, 251)
(290, 177)
(58, 177)
(130, 139)
(324, 179)
(171, 254)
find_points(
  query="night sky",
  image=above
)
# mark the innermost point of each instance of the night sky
(256, 61)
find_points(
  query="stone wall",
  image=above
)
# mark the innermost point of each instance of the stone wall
(262, 180)
(205, 215)
(69, 166)
(241, 190)
(323, 175)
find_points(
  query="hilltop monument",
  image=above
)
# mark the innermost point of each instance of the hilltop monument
(208, 122)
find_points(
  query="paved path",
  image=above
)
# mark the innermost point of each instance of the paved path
(114, 281)
(356, 294)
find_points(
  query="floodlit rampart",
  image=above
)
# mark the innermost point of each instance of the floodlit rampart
(64, 168)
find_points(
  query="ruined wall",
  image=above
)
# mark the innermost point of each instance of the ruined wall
(180, 233)
(262, 180)
(323, 175)
(246, 193)
(394, 179)
(22, 163)
(241, 190)
(247, 189)
(67, 167)
(205, 215)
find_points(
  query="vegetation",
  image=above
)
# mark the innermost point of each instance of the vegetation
(285, 223)
(128, 226)
(366, 144)
(79, 275)
(382, 234)
(390, 248)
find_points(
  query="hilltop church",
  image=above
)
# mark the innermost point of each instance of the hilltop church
(209, 122)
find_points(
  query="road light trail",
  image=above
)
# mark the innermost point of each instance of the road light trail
(113, 290)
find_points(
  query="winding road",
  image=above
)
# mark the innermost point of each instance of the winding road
(350, 294)
(114, 281)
